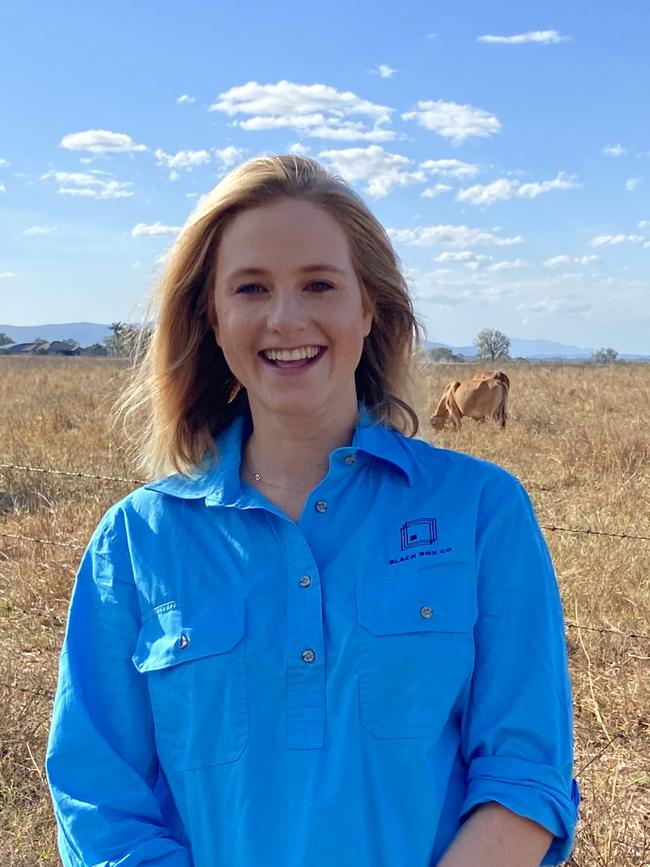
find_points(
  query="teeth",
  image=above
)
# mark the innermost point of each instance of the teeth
(291, 354)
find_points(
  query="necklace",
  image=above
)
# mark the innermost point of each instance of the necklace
(258, 478)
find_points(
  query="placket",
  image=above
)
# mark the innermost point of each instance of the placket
(306, 673)
(305, 727)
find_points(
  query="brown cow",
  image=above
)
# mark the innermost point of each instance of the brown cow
(502, 377)
(479, 399)
(492, 374)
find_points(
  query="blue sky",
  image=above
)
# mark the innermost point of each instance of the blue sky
(505, 146)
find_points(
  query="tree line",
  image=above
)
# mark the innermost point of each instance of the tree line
(491, 345)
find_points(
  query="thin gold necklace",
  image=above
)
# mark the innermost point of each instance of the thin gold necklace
(258, 478)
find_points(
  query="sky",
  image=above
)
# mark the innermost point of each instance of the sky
(505, 147)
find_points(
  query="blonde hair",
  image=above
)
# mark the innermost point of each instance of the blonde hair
(181, 393)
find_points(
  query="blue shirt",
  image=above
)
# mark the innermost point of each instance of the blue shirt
(237, 689)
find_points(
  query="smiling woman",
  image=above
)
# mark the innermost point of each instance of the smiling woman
(320, 640)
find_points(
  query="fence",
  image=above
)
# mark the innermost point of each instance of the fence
(36, 691)
(125, 480)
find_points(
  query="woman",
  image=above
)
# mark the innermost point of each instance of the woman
(320, 641)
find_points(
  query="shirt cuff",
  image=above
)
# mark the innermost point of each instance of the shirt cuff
(536, 792)
(161, 851)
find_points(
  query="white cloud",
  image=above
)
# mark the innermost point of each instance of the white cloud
(384, 71)
(616, 150)
(4, 163)
(154, 230)
(503, 188)
(614, 240)
(314, 110)
(2, 188)
(40, 230)
(450, 168)
(458, 236)
(99, 141)
(6, 275)
(98, 185)
(544, 37)
(382, 171)
(487, 194)
(460, 256)
(464, 256)
(643, 224)
(556, 261)
(181, 160)
(508, 265)
(437, 190)
(548, 306)
(632, 183)
(186, 98)
(453, 120)
(299, 148)
(562, 182)
(228, 156)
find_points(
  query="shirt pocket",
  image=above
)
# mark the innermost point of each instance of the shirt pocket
(194, 657)
(416, 648)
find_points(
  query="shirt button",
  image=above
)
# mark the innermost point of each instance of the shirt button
(350, 459)
(183, 641)
(425, 611)
(321, 506)
(308, 656)
(305, 581)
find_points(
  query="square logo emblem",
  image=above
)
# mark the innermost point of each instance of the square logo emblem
(421, 532)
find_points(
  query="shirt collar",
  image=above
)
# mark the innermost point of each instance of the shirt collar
(220, 485)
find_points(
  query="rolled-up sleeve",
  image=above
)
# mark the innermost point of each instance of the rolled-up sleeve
(517, 729)
(110, 802)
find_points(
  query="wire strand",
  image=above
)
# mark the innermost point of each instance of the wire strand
(122, 479)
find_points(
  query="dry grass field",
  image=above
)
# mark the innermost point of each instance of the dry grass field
(577, 436)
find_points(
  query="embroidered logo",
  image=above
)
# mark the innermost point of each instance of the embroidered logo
(424, 531)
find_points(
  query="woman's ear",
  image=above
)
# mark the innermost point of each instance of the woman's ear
(212, 320)
(367, 308)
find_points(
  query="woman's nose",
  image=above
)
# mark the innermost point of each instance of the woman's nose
(286, 310)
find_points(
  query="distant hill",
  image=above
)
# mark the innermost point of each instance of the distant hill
(85, 333)
(539, 350)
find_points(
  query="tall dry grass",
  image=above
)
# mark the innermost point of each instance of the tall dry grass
(576, 436)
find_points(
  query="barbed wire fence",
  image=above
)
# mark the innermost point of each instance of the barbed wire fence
(48, 694)
(77, 474)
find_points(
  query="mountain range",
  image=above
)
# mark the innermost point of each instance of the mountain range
(87, 333)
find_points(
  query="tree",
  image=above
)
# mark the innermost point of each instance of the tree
(442, 353)
(124, 340)
(5, 340)
(492, 344)
(604, 355)
(95, 349)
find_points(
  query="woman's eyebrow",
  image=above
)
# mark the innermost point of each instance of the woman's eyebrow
(306, 269)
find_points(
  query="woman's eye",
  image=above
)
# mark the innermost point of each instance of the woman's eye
(250, 289)
(321, 286)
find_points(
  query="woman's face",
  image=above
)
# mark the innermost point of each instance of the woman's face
(290, 316)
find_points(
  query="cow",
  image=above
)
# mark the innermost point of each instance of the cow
(492, 374)
(479, 399)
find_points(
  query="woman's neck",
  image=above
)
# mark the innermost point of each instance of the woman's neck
(292, 452)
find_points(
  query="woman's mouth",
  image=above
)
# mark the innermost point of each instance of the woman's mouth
(297, 358)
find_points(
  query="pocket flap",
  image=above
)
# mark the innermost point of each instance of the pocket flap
(438, 599)
(176, 632)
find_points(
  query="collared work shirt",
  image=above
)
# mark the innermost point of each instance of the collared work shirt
(238, 689)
